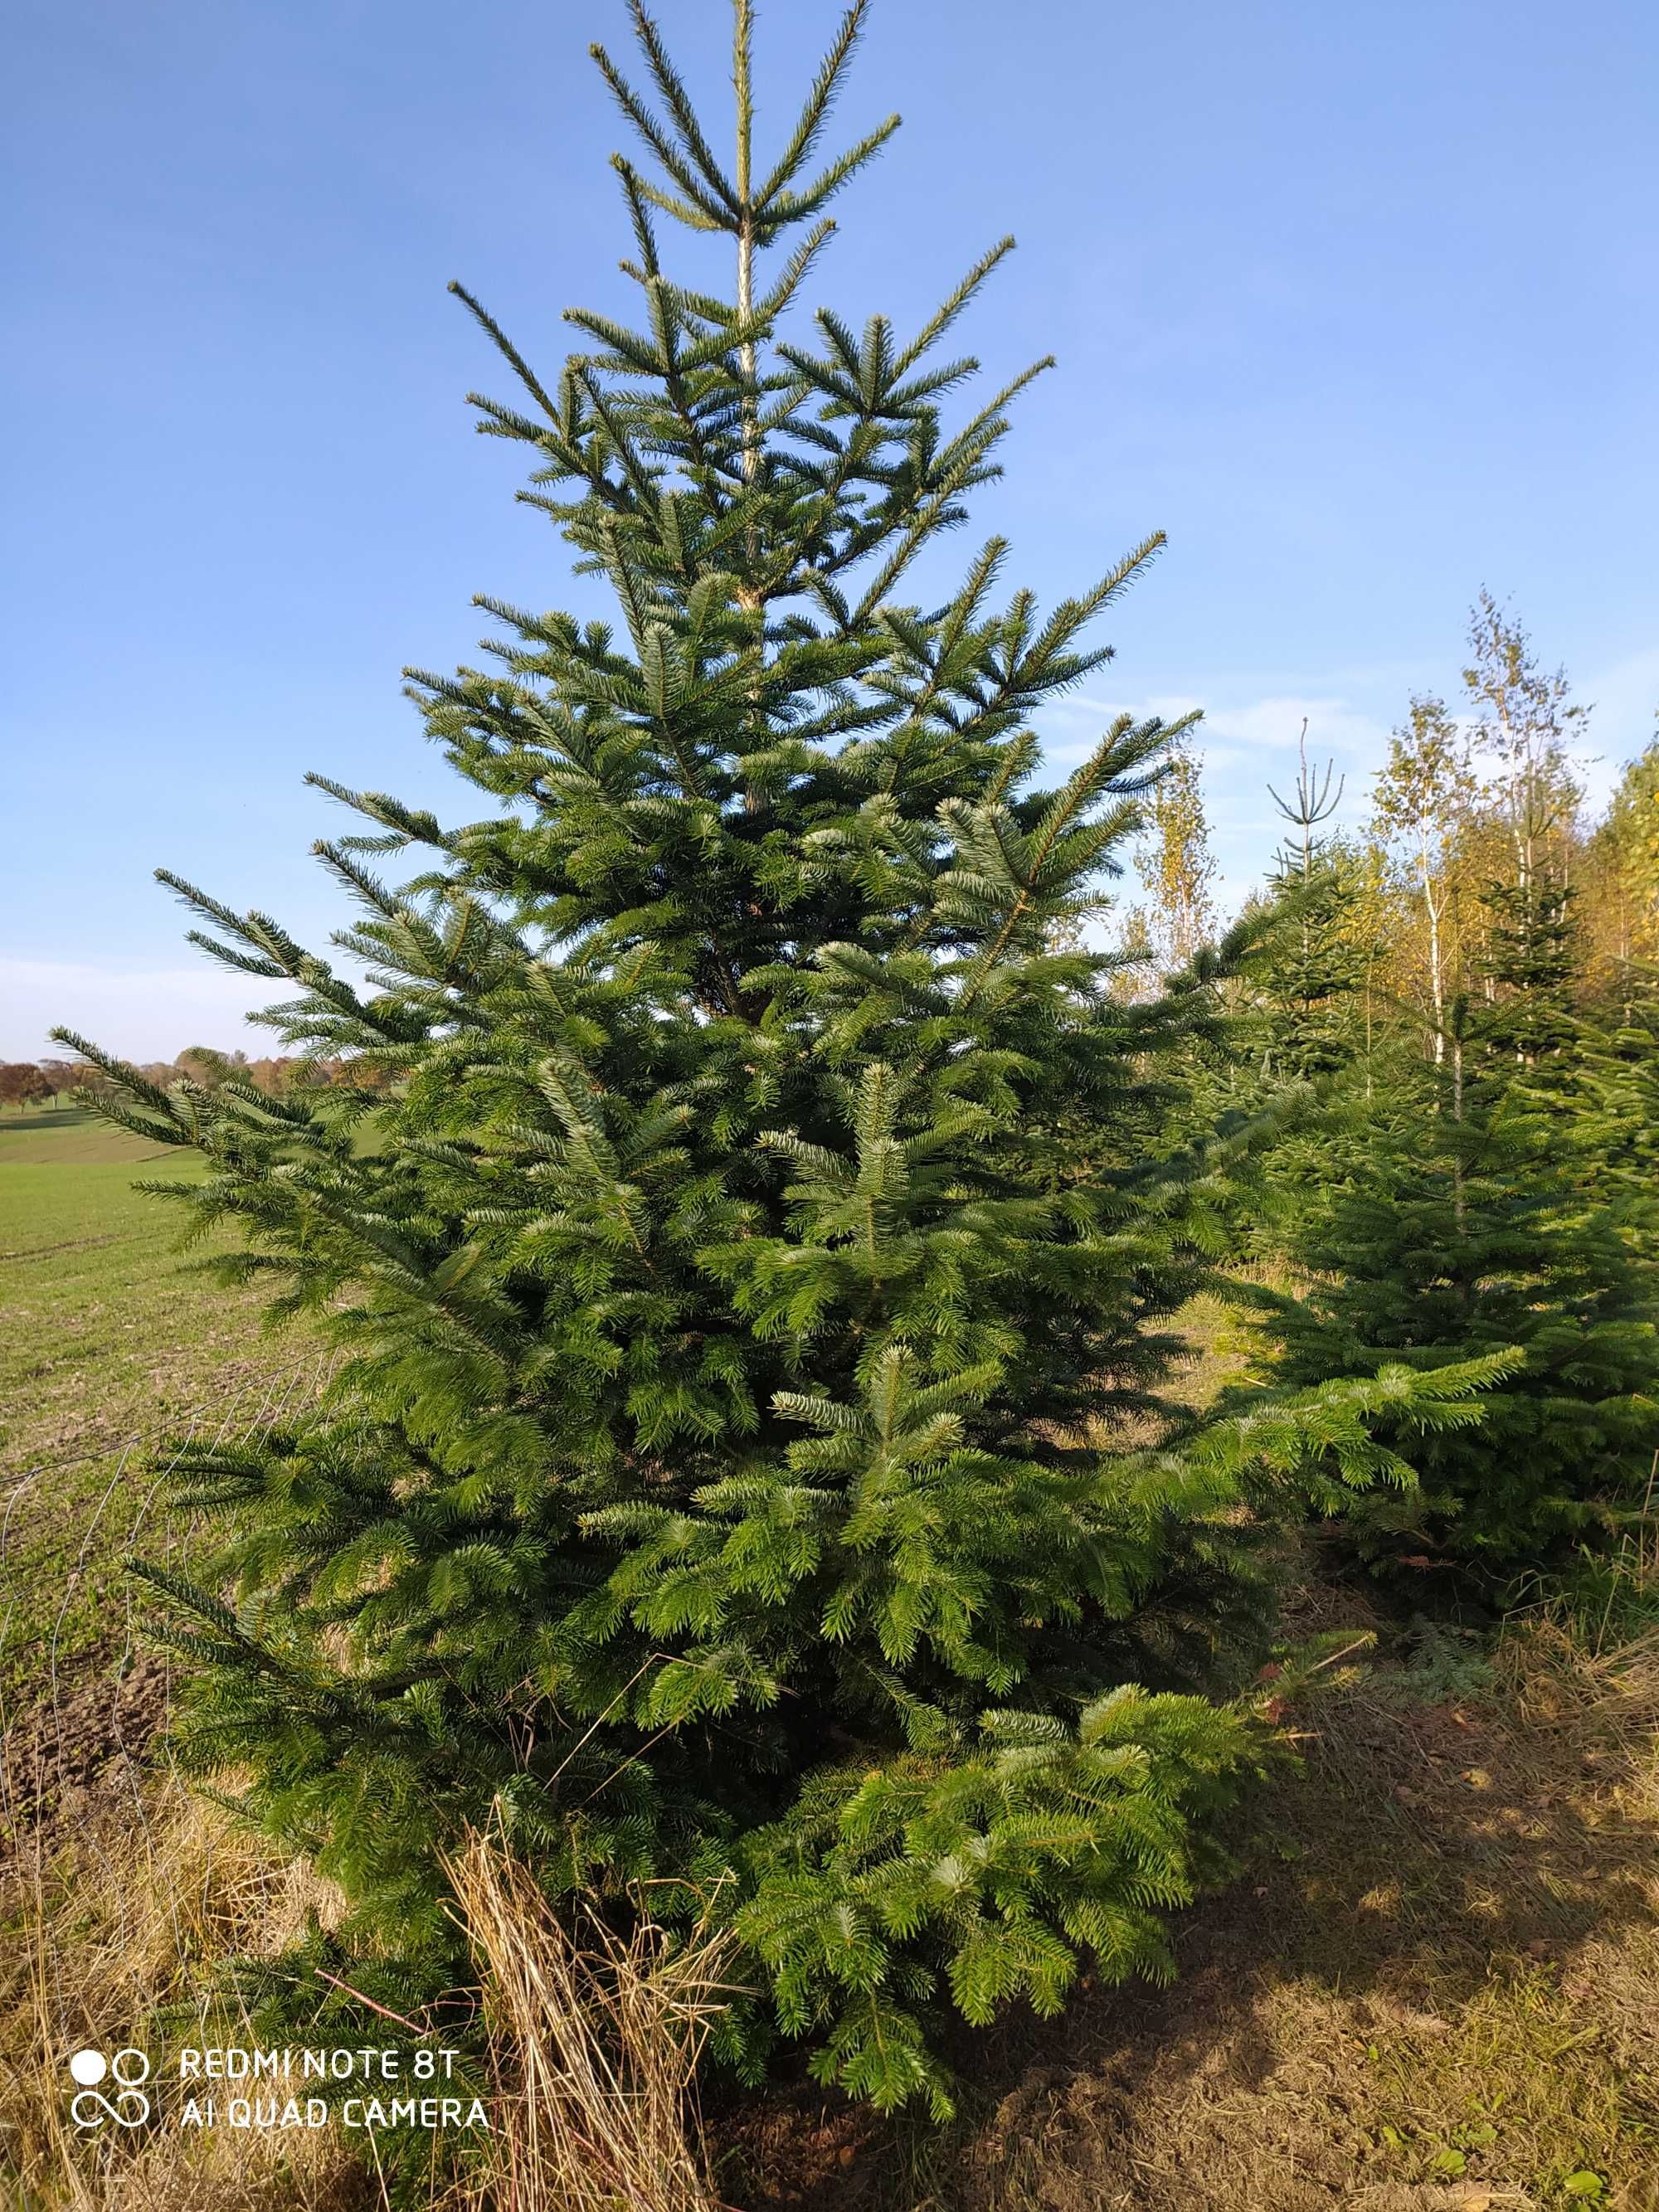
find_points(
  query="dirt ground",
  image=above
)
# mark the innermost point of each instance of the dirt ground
(1435, 1983)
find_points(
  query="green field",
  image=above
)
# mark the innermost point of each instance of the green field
(111, 1339)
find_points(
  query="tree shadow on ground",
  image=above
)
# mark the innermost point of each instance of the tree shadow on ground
(1432, 1983)
(31, 1120)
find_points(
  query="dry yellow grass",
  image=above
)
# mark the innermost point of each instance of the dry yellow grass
(131, 1913)
(594, 2046)
(593, 2050)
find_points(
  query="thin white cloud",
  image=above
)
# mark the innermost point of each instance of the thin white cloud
(139, 1013)
(1245, 744)
(1254, 726)
(1334, 728)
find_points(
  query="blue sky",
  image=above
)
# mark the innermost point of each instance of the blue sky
(1358, 302)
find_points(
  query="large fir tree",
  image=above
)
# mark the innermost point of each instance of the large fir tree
(756, 1255)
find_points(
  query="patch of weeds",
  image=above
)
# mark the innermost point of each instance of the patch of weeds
(1608, 1597)
(1435, 1662)
(1520, 2086)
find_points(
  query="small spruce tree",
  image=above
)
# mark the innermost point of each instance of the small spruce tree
(1483, 1227)
(1527, 1023)
(755, 1255)
(1313, 961)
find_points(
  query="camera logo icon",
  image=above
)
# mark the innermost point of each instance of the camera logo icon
(127, 2105)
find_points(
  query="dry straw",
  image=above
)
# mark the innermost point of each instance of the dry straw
(125, 1920)
(594, 2041)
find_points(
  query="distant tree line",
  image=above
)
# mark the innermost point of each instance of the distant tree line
(26, 1083)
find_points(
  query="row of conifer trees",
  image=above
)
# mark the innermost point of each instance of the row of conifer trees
(751, 1472)
(1455, 1019)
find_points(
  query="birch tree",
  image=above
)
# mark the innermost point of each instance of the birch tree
(1423, 794)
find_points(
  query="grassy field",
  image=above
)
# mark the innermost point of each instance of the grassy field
(111, 1339)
